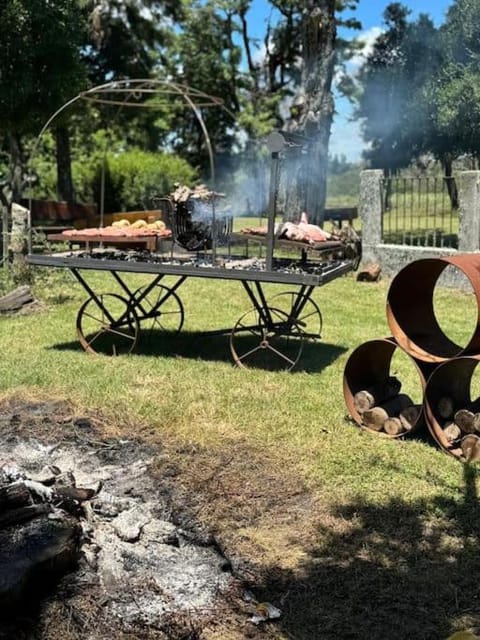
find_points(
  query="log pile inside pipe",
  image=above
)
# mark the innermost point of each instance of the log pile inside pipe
(384, 409)
(462, 426)
(40, 530)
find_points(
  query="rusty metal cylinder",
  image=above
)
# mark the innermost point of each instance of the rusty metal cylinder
(410, 308)
(370, 364)
(451, 379)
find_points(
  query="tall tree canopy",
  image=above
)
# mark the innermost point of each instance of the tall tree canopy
(392, 101)
(40, 68)
(56, 47)
(419, 89)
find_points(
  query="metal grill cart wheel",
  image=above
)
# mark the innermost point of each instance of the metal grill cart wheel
(107, 324)
(303, 310)
(162, 306)
(267, 338)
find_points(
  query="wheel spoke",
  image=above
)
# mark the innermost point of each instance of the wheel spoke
(99, 333)
(279, 353)
(249, 353)
(115, 332)
(282, 354)
(90, 315)
(163, 307)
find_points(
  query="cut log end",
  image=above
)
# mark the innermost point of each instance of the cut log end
(470, 446)
(452, 432)
(376, 394)
(393, 426)
(464, 419)
(409, 416)
(375, 418)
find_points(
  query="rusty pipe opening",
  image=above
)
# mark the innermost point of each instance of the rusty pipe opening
(372, 363)
(450, 380)
(411, 314)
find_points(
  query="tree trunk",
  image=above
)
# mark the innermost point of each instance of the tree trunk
(16, 167)
(314, 108)
(64, 164)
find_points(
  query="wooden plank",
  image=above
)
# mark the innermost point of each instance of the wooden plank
(150, 242)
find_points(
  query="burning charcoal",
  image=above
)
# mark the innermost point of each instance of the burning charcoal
(47, 475)
(14, 494)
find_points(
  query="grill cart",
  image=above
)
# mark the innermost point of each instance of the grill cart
(271, 334)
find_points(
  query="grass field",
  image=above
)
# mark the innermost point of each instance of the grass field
(351, 535)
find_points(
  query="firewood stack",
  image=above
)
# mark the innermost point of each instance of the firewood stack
(373, 396)
(383, 408)
(40, 530)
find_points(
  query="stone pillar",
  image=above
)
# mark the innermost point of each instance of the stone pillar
(370, 211)
(469, 211)
(19, 244)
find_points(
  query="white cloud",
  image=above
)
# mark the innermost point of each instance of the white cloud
(367, 40)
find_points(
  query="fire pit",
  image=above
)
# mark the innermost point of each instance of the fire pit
(101, 515)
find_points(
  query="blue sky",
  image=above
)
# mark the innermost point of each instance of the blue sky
(345, 137)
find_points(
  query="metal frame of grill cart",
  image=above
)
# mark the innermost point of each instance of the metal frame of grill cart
(271, 334)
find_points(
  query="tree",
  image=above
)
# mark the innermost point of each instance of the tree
(392, 100)
(314, 104)
(39, 67)
(453, 93)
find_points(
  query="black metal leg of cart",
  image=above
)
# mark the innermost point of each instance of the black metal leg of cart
(156, 303)
(272, 333)
(109, 323)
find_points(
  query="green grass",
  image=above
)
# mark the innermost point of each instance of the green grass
(199, 394)
(385, 502)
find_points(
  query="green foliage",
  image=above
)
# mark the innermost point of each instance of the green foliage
(39, 60)
(133, 177)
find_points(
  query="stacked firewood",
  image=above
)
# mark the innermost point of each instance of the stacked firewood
(461, 426)
(384, 409)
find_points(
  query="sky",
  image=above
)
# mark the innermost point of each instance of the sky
(345, 138)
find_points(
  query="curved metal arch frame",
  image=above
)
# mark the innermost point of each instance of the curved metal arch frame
(133, 90)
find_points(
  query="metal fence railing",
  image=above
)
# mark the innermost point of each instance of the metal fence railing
(420, 211)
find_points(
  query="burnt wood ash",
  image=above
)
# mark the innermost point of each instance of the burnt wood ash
(97, 500)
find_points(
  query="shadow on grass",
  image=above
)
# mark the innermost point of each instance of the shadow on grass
(197, 345)
(387, 571)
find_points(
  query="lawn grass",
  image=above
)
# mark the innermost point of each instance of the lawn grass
(339, 518)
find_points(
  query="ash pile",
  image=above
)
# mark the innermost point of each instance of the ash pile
(89, 516)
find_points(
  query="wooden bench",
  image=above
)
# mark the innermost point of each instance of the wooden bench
(341, 215)
(52, 216)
